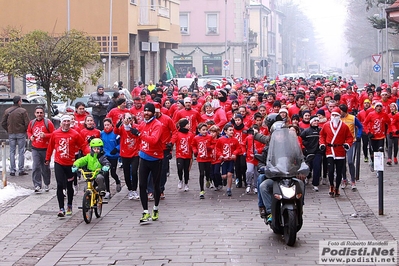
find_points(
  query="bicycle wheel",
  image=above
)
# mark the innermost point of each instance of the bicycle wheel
(86, 208)
(99, 208)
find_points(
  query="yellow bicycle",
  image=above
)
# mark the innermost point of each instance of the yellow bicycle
(92, 200)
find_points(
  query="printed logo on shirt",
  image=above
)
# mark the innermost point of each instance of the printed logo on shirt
(63, 147)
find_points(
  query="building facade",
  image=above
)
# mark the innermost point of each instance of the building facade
(141, 31)
(228, 37)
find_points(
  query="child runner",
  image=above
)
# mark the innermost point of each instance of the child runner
(183, 141)
(202, 148)
(227, 148)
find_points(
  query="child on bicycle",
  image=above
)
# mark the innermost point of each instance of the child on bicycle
(95, 160)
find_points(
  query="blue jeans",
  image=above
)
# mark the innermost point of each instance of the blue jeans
(20, 140)
(266, 191)
(350, 158)
(259, 181)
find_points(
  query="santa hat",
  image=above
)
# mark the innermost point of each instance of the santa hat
(336, 111)
(157, 107)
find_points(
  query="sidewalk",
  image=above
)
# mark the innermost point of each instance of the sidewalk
(215, 231)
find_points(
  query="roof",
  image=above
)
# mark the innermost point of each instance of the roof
(393, 12)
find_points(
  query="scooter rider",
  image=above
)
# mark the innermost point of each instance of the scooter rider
(281, 165)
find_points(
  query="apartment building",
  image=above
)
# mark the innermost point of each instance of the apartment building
(228, 37)
(141, 31)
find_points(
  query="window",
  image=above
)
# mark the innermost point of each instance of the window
(184, 23)
(103, 42)
(212, 23)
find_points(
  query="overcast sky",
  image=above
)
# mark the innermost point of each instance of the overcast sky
(328, 17)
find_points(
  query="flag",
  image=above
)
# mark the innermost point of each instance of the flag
(170, 71)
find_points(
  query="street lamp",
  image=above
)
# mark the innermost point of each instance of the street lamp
(104, 60)
(225, 35)
(110, 44)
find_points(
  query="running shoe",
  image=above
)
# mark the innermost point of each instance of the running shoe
(61, 213)
(145, 218)
(202, 195)
(155, 215)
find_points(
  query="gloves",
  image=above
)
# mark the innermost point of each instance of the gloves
(390, 135)
(261, 170)
(322, 147)
(370, 135)
(169, 146)
(105, 168)
(100, 103)
(119, 123)
(169, 156)
(250, 131)
(90, 138)
(195, 154)
(135, 131)
(346, 147)
(114, 151)
(397, 132)
(74, 169)
(358, 139)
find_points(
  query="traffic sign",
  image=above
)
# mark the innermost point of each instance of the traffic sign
(226, 64)
(376, 58)
(376, 68)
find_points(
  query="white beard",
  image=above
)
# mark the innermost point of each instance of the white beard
(335, 121)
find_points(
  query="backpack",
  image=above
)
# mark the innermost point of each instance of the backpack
(45, 123)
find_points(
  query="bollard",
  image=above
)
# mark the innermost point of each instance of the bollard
(379, 166)
(4, 159)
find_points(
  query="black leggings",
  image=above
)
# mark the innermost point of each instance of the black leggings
(204, 170)
(183, 165)
(64, 178)
(216, 177)
(375, 144)
(241, 169)
(336, 165)
(114, 165)
(365, 145)
(147, 167)
(130, 167)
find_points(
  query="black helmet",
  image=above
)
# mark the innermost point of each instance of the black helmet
(270, 119)
(277, 126)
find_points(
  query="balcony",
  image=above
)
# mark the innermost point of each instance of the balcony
(153, 18)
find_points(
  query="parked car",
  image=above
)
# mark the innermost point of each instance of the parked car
(84, 99)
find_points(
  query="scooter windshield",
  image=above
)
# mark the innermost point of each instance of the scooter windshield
(285, 156)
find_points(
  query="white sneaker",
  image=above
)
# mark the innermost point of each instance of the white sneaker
(212, 186)
(353, 185)
(107, 195)
(37, 189)
(46, 188)
(247, 190)
(324, 181)
(186, 187)
(315, 188)
(255, 191)
(344, 183)
(130, 194)
(180, 184)
(75, 190)
(306, 181)
(136, 195)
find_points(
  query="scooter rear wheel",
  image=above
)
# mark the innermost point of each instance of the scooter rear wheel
(290, 227)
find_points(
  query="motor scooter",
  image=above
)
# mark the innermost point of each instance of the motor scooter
(284, 163)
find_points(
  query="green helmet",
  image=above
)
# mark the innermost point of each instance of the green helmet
(96, 143)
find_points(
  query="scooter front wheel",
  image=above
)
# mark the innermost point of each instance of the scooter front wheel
(290, 227)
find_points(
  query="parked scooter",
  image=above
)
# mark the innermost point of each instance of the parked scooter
(285, 162)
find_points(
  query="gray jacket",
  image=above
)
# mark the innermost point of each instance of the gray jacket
(99, 102)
